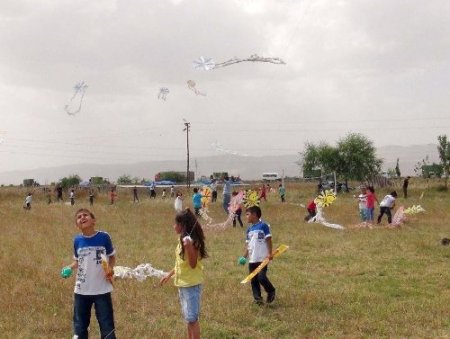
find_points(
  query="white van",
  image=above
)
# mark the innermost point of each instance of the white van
(270, 176)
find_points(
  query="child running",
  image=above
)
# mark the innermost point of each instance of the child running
(188, 270)
(28, 200)
(92, 282)
(258, 247)
(386, 205)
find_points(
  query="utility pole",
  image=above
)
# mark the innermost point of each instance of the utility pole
(187, 128)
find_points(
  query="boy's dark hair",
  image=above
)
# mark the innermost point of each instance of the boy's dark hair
(195, 190)
(234, 193)
(85, 210)
(254, 210)
(371, 189)
(394, 194)
(192, 228)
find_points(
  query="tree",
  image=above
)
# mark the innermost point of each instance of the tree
(73, 180)
(397, 169)
(444, 156)
(124, 179)
(354, 158)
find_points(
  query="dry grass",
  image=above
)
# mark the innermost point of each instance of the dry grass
(353, 283)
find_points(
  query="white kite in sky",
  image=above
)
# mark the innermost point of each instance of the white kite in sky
(163, 92)
(207, 64)
(191, 85)
(74, 105)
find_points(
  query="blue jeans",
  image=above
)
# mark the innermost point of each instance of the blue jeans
(260, 279)
(190, 302)
(226, 202)
(103, 311)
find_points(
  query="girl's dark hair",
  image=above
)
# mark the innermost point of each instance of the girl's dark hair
(371, 189)
(394, 194)
(192, 228)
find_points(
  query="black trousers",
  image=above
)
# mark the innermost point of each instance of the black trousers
(384, 210)
(258, 280)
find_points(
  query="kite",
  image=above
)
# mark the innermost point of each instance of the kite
(140, 273)
(206, 193)
(219, 148)
(413, 210)
(207, 64)
(191, 85)
(319, 218)
(163, 92)
(74, 105)
(325, 199)
(279, 250)
(203, 63)
(251, 198)
(398, 218)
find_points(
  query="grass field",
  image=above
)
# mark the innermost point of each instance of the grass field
(335, 284)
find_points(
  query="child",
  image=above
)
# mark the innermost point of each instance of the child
(72, 197)
(262, 194)
(112, 195)
(163, 193)
(197, 201)
(172, 191)
(28, 200)
(237, 213)
(386, 205)
(178, 204)
(93, 282)
(371, 198)
(362, 204)
(188, 270)
(282, 192)
(91, 197)
(311, 208)
(258, 247)
(135, 194)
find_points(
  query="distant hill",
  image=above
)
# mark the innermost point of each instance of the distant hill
(249, 168)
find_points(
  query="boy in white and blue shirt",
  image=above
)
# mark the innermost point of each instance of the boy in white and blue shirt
(93, 283)
(258, 247)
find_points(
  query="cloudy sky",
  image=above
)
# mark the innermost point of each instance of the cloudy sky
(381, 68)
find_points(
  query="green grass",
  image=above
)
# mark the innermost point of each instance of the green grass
(331, 284)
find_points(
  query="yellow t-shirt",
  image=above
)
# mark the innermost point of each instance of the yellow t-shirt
(185, 275)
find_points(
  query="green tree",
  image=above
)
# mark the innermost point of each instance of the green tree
(322, 158)
(73, 180)
(124, 179)
(444, 156)
(357, 158)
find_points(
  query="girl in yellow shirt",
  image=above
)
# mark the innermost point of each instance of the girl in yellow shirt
(188, 270)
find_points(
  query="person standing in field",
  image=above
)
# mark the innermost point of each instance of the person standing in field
(93, 282)
(197, 201)
(263, 194)
(188, 270)
(258, 247)
(386, 205)
(282, 192)
(362, 204)
(178, 203)
(371, 198)
(112, 195)
(59, 193)
(91, 197)
(237, 213)
(213, 187)
(226, 193)
(72, 197)
(405, 187)
(312, 210)
(135, 194)
(172, 191)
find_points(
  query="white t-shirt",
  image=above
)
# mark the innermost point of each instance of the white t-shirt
(256, 242)
(388, 201)
(28, 199)
(362, 201)
(90, 278)
(178, 204)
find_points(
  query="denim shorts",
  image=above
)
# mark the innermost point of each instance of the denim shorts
(190, 302)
